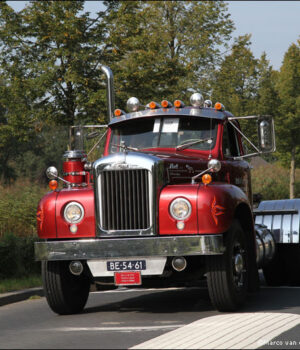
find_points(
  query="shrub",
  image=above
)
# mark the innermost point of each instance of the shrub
(18, 205)
(272, 181)
(17, 256)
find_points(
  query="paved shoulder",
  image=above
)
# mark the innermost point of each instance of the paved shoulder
(230, 331)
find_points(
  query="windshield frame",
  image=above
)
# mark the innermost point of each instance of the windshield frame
(161, 148)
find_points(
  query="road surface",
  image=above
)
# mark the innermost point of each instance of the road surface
(153, 319)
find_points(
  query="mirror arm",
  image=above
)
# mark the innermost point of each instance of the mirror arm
(246, 138)
(61, 179)
(246, 156)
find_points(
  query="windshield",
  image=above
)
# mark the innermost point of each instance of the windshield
(143, 133)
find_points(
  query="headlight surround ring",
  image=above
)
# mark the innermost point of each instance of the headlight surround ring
(77, 216)
(180, 204)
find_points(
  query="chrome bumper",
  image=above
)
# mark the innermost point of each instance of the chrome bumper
(126, 247)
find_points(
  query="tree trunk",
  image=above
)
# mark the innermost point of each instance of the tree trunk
(292, 174)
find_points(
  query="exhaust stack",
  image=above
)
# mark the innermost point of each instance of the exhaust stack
(110, 95)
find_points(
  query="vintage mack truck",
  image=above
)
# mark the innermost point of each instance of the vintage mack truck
(169, 203)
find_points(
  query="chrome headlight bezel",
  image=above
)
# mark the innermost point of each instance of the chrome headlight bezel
(173, 204)
(67, 207)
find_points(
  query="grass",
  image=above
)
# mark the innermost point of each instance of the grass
(14, 284)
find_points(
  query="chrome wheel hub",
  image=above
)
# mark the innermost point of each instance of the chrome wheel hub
(238, 263)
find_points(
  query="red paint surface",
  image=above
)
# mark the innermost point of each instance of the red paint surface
(84, 196)
(206, 202)
(167, 224)
(46, 221)
(74, 166)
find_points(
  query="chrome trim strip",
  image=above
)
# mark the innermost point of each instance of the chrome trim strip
(137, 247)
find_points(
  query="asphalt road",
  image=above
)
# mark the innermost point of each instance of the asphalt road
(154, 319)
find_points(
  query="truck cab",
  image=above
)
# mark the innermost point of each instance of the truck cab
(169, 203)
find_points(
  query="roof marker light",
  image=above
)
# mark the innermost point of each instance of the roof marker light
(166, 104)
(196, 100)
(153, 105)
(178, 104)
(219, 106)
(118, 112)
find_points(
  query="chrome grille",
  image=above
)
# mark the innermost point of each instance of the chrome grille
(125, 199)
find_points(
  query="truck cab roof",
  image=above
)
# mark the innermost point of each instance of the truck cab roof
(186, 111)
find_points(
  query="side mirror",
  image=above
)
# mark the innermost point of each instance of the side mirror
(52, 173)
(266, 134)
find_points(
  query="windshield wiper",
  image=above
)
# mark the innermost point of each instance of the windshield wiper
(122, 145)
(195, 142)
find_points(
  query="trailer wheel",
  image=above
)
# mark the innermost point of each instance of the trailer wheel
(228, 274)
(65, 293)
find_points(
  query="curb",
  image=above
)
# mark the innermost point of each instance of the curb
(13, 297)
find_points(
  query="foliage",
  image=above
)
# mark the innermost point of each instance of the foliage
(272, 181)
(18, 206)
(288, 120)
(158, 49)
(12, 284)
(17, 256)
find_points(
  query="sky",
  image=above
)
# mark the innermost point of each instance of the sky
(274, 25)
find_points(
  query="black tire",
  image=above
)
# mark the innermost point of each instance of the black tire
(228, 274)
(66, 294)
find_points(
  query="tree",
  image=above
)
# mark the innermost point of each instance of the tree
(50, 54)
(288, 121)
(158, 49)
(235, 82)
(57, 48)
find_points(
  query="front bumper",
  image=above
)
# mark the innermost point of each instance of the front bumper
(88, 249)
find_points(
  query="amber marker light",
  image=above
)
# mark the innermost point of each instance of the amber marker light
(53, 185)
(166, 104)
(206, 179)
(219, 106)
(152, 105)
(177, 103)
(117, 112)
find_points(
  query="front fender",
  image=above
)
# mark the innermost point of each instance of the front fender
(213, 208)
(216, 204)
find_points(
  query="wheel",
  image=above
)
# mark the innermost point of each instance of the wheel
(228, 274)
(65, 292)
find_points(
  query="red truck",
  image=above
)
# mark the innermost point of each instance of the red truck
(169, 203)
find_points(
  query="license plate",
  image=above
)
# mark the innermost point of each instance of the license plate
(126, 265)
(128, 278)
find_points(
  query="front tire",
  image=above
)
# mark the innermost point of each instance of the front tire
(228, 274)
(65, 293)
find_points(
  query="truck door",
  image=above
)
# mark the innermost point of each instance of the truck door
(237, 171)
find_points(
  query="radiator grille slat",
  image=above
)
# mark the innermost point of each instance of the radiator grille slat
(125, 199)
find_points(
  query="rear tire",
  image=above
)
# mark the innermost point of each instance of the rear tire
(228, 274)
(65, 293)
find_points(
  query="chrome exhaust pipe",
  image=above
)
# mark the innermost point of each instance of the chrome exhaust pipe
(110, 94)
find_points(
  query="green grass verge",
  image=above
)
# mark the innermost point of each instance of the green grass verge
(13, 284)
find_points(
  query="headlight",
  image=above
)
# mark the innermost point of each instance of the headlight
(180, 209)
(73, 212)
